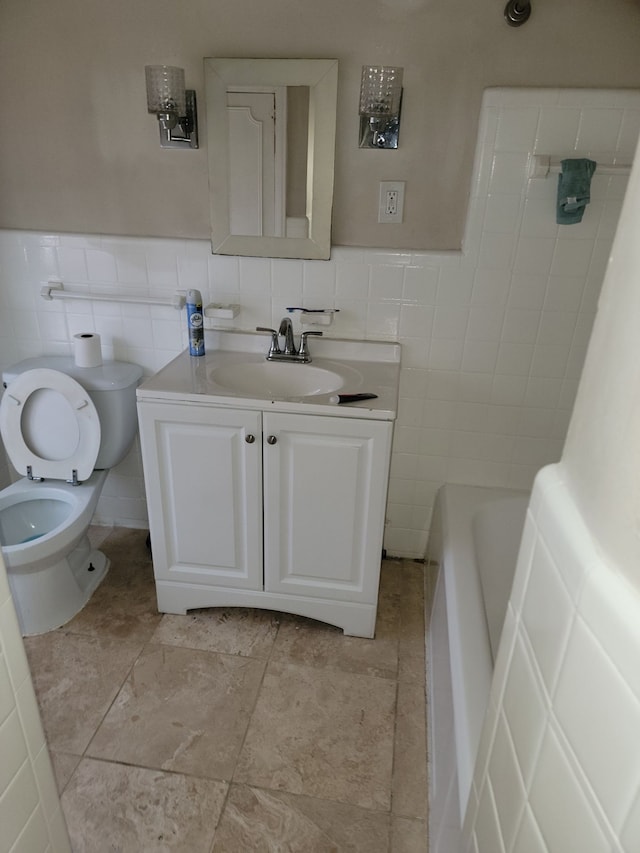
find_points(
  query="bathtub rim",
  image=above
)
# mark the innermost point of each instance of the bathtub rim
(471, 675)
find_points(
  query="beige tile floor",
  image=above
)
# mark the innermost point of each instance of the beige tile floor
(232, 730)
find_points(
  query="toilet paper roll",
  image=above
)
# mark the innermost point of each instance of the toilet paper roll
(86, 349)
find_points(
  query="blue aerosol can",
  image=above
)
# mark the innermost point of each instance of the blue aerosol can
(195, 323)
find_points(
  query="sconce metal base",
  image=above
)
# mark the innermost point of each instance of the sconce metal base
(378, 133)
(185, 133)
(517, 12)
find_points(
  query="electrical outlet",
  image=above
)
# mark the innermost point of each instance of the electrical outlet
(391, 201)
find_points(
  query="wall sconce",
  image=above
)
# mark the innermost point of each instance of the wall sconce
(380, 102)
(174, 105)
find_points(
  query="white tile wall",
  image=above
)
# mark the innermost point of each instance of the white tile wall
(30, 814)
(493, 337)
(558, 768)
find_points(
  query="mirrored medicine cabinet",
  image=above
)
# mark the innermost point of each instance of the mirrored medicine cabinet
(271, 146)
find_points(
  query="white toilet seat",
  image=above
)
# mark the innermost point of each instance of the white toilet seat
(50, 426)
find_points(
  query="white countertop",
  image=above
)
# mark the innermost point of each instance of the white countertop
(366, 367)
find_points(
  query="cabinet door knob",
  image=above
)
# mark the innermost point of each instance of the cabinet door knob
(249, 438)
(271, 439)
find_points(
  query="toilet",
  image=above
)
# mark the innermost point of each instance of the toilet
(63, 427)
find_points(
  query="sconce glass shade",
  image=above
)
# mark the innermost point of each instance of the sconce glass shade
(380, 102)
(166, 90)
(174, 106)
(380, 90)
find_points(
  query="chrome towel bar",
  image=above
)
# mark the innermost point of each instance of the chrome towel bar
(56, 290)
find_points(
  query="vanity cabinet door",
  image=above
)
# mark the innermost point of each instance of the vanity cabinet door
(203, 476)
(325, 484)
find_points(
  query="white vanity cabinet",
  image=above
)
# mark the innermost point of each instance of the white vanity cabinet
(266, 509)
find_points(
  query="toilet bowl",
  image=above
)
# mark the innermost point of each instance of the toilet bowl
(63, 427)
(51, 567)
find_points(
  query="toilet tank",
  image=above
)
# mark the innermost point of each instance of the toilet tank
(112, 388)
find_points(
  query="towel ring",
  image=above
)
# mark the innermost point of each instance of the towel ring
(516, 12)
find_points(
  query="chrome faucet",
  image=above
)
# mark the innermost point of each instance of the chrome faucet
(286, 329)
(289, 353)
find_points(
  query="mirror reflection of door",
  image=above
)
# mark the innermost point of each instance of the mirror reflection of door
(268, 138)
(255, 199)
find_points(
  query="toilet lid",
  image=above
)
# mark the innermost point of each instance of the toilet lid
(49, 422)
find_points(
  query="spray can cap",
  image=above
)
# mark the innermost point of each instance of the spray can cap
(194, 297)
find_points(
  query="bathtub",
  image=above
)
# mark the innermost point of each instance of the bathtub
(475, 538)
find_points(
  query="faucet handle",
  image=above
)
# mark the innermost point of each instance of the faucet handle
(303, 351)
(274, 349)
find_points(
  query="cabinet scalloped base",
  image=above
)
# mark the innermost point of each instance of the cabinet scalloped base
(355, 619)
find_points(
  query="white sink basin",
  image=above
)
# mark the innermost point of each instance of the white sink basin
(234, 371)
(277, 379)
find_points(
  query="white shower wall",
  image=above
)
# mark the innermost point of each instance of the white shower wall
(558, 766)
(558, 769)
(493, 336)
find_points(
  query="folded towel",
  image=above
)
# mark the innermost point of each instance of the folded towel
(574, 190)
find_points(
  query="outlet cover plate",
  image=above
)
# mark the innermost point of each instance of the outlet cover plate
(391, 201)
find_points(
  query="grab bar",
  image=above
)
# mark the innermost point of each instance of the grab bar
(56, 290)
(542, 165)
